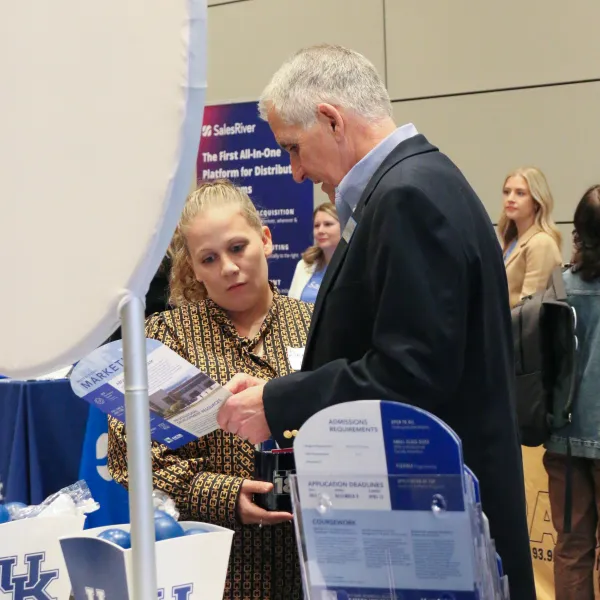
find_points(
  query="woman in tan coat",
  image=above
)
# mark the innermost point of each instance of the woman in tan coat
(531, 243)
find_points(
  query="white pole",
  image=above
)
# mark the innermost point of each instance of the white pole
(137, 414)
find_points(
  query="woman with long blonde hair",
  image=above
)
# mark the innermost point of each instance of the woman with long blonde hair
(315, 259)
(530, 240)
(228, 319)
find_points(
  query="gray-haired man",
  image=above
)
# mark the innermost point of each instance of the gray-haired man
(414, 305)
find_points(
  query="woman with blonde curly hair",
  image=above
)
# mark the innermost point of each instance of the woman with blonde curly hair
(530, 240)
(228, 318)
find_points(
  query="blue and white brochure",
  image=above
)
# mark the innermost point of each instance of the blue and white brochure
(383, 503)
(483, 575)
(184, 402)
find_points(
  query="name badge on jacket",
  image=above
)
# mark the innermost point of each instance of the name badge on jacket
(295, 356)
(349, 230)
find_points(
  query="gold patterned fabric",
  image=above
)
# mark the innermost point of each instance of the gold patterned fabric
(204, 477)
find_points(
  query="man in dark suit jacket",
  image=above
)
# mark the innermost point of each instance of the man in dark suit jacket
(414, 304)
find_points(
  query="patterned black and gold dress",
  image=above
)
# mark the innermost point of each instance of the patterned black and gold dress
(204, 477)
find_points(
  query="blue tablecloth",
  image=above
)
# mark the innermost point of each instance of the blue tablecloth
(50, 438)
(42, 427)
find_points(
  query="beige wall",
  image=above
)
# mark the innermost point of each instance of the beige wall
(494, 85)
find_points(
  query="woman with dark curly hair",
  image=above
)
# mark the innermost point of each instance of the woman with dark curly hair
(575, 551)
(228, 319)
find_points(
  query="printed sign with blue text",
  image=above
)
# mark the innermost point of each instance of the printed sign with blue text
(384, 509)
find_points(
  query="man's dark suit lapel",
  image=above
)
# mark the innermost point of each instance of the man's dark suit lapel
(332, 270)
(411, 147)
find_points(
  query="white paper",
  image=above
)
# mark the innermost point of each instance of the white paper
(295, 356)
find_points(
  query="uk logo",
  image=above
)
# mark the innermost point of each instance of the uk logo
(179, 592)
(32, 584)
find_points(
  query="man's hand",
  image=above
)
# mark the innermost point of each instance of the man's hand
(243, 413)
(240, 382)
(251, 514)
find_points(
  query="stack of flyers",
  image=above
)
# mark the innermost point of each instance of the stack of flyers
(492, 582)
(385, 508)
(483, 580)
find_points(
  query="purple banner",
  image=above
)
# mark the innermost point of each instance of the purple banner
(237, 145)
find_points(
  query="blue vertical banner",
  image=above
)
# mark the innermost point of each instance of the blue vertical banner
(237, 145)
(113, 499)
